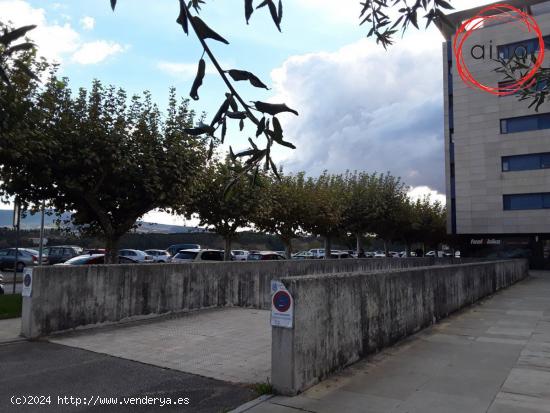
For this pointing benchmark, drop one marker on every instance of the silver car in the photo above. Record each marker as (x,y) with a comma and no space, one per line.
(26,257)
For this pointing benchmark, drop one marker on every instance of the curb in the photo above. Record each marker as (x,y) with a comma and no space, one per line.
(253,403)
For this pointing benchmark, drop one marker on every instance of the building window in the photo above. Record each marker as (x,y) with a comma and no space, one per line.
(522,49)
(526,162)
(526,201)
(525,123)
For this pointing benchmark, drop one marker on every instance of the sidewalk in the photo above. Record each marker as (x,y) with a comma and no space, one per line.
(493,357)
(10,329)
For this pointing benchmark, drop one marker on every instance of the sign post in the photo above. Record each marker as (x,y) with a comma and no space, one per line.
(282,306)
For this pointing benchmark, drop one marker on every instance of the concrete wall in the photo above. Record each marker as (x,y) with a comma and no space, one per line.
(67,297)
(340,318)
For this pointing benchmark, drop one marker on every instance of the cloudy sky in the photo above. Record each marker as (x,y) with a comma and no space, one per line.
(361,108)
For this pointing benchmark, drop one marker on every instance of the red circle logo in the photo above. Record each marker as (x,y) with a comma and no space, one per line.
(507,15)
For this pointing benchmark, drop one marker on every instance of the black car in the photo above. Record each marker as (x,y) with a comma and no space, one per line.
(174,249)
(61,253)
(264,256)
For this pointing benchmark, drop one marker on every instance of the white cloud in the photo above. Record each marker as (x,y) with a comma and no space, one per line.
(365,108)
(55,41)
(420,192)
(87,23)
(95,52)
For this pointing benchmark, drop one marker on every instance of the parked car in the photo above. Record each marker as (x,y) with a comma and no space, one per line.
(62,253)
(26,257)
(264,256)
(318,252)
(159,255)
(86,259)
(379,254)
(239,255)
(174,249)
(303,255)
(192,255)
(339,255)
(136,255)
(1,284)
(95,259)
(94,251)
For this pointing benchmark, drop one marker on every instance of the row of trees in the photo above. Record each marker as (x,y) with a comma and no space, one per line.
(108,159)
(352,204)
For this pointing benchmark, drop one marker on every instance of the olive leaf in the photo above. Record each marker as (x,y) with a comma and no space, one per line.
(113,4)
(261,127)
(182,18)
(200,130)
(239,75)
(236,115)
(221,111)
(241,125)
(224,129)
(210,149)
(273,108)
(201,70)
(15,34)
(248,9)
(205,32)
(19,48)
(232,102)
(277,16)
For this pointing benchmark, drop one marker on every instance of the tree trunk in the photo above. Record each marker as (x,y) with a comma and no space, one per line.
(328,247)
(386,249)
(408,250)
(111,255)
(288,249)
(358,245)
(227,251)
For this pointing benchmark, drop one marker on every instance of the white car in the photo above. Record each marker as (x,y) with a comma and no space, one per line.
(136,255)
(197,255)
(303,255)
(159,255)
(318,252)
(239,255)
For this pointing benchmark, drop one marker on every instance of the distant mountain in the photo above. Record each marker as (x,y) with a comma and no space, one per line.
(33,222)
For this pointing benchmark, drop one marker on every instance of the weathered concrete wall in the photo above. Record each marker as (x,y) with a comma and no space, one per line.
(69,297)
(340,318)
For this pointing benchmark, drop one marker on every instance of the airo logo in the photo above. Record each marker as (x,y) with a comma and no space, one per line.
(516,19)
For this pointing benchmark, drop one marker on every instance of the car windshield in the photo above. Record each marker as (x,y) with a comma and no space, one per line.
(253,257)
(186,255)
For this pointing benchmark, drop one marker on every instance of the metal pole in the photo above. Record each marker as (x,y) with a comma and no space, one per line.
(41,247)
(17,225)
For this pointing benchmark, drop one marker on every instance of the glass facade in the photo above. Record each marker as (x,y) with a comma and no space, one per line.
(526,201)
(526,162)
(521,49)
(525,123)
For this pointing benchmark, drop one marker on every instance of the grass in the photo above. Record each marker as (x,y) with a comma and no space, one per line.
(10,306)
(263,388)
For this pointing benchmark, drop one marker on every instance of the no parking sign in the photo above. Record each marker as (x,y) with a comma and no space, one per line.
(282,306)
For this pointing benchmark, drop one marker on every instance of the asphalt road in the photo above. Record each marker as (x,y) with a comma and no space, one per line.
(47,369)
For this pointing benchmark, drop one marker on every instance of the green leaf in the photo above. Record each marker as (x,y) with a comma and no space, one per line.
(25,69)
(274,15)
(113,4)
(205,32)
(248,9)
(19,48)
(201,70)
(15,34)
(261,127)
(273,108)
(182,18)
(240,75)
